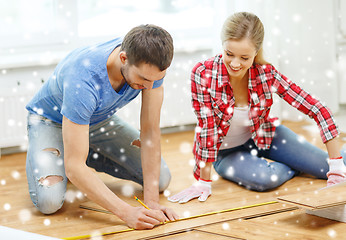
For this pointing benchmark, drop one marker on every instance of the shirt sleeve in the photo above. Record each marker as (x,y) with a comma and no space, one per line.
(305,103)
(205,146)
(79,101)
(158,83)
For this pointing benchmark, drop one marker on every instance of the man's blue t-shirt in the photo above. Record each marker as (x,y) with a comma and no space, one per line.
(80,90)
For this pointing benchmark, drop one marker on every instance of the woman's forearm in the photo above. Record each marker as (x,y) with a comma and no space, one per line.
(206,171)
(333,148)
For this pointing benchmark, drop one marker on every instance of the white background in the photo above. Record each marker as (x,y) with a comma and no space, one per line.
(305,40)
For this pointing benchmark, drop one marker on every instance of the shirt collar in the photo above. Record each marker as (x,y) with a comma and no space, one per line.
(223,74)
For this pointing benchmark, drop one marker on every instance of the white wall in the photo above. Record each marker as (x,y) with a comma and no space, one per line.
(300,41)
(308,49)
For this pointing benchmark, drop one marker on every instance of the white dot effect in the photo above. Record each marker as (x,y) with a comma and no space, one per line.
(301,139)
(39,111)
(230,171)
(191,162)
(297,18)
(225,226)
(11,122)
(186,214)
(274,178)
(185,147)
(96,235)
(254,152)
(46,222)
(24,215)
(7,206)
(79,195)
(330,73)
(95,155)
(332,233)
(202,164)
(59,162)
(70,196)
(102,129)
(127,190)
(3,182)
(15,175)
(215,177)
(166,193)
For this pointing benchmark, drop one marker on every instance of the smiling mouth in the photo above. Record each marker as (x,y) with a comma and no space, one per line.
(235,69)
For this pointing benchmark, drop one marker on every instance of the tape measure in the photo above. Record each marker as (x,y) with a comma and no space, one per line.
(181,219)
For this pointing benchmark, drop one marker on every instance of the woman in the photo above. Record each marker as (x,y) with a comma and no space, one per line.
(232,97)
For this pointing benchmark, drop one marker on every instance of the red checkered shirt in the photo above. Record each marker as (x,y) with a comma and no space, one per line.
(213,103)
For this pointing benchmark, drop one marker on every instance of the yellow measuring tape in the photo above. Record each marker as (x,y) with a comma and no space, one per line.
(181,219)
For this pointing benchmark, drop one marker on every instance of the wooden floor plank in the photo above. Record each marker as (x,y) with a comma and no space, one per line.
(17,210)
(286,225)
(174,227)
(318,199)
(195,235)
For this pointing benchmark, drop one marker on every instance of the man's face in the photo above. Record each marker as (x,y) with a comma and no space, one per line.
(141,77)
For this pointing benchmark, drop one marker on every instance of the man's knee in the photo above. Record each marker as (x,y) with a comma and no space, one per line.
(165,178)
(50,196)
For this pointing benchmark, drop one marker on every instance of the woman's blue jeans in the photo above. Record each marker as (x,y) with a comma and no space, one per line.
(113,150)
(291,154)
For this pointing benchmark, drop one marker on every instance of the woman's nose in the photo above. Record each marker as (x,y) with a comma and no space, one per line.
(235,64)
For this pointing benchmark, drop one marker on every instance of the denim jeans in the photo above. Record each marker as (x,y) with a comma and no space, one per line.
(111,150)
(291,154)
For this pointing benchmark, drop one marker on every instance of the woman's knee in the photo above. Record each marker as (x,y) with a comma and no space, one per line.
(267,181)
(262,186)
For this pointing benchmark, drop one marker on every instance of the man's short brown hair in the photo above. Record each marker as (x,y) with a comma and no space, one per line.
(148,44)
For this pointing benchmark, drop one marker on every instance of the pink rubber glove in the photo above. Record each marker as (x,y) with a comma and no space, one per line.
(337,171)
(200,189)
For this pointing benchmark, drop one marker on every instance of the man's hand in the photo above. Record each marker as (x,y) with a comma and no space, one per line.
(141,218)
(170,215)
(200,189)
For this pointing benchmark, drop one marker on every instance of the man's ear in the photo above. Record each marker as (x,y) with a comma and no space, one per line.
(123,57)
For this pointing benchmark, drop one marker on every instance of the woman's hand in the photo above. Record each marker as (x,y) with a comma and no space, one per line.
(200,189)
(337,171)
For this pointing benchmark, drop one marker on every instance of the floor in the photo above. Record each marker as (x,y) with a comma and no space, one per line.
(232,212)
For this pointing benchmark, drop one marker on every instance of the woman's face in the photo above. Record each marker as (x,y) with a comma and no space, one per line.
(238,57)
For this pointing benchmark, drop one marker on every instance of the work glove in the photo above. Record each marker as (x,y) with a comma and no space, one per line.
(200,189)
(337,171)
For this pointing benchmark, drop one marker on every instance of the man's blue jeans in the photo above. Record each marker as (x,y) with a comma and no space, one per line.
(291,154)
(113,150)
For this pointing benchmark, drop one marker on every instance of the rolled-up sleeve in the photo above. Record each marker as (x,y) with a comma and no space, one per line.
(307,104)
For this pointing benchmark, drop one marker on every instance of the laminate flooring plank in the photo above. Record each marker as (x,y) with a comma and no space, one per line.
(195,235)
(318,199)
(286,225)
(185,225)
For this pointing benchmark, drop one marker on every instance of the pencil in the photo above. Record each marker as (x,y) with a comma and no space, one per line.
(141,202)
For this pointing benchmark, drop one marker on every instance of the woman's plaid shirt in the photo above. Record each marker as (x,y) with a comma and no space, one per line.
(213,103)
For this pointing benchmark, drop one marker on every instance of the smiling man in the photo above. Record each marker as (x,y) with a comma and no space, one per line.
(73,126)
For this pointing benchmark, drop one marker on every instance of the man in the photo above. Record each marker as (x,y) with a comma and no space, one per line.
(72,126)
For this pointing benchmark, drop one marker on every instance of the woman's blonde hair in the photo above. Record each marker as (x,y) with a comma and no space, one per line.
(245,25)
